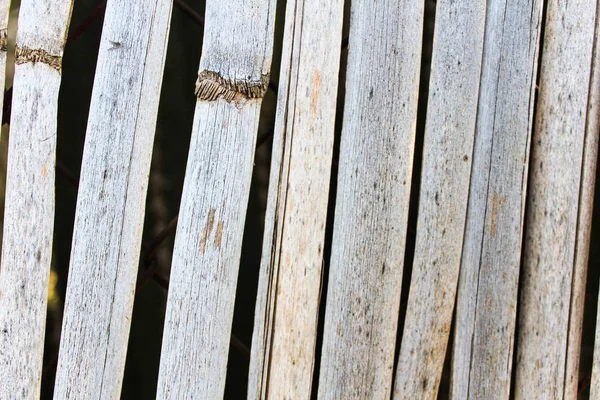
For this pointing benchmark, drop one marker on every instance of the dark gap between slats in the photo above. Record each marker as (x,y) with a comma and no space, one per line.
(428,28)
(167,172)
(236,383)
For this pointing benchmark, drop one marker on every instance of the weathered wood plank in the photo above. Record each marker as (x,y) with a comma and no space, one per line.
(447,151)
(4,13)
(487,293)
(375,168)
(285,326)
(29,209)
(584,228)
(551,238)
(234,73)
(590,161)
(111,200)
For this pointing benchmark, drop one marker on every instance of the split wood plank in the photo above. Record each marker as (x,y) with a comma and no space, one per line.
(552,267)
(285,327)
(375,169)
(447,152)
(590,161)
(29,207)
(233,78)
(487,294)
(111,200)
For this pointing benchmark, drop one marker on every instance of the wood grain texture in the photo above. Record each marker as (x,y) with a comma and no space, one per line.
(234,69)
(29,209)
(111,200)
(285,326)
(590,161)
(584,228)
(375,169)
(446,168)
(487,294)
(551,239)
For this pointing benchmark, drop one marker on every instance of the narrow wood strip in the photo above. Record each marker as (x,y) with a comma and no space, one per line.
(375,169)
(549,270)
(285,326)
(237,49)
(29,201)
(447,152)
(111,199)
(487,293)
(584,227)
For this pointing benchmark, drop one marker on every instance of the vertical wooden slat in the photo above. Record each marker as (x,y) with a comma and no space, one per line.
(551,239)
(29,209)
(375,168)
(111,199)
(234,73)
(590,161)
(285,326)
(584,229)
(447,151)
(487,294)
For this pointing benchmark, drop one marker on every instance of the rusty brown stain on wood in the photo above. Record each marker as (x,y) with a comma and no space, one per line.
(219,234)
(210,221)
(314,97)
(494,214)
(45,171)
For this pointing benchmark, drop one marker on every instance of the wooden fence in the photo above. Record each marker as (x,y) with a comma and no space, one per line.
(488,140)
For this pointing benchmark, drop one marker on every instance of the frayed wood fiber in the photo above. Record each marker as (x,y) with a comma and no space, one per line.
(212,86)
(25,54)
(3,39)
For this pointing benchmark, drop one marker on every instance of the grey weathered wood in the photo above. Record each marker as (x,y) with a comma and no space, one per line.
(375,167)
(29,209)
(551,239)
(234,73)
(590,161)
(4,13)
(111,200)
(285,326)
(447,151)
(584,227)
(487,294)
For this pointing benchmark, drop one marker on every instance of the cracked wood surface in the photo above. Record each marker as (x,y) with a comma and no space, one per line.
(447,152)
(373,191)
(486,305)
(29,202)
(550,274)
(111,199)
(237,49)
(285,326)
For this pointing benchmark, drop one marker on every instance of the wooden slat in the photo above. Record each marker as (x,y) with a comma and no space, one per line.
(487,294)
(285,326)
(584,228)
(590,161)
(375,168)
(4,13)
(29,209)
(234,73)
(447,151)
(550,272)
(111,200)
